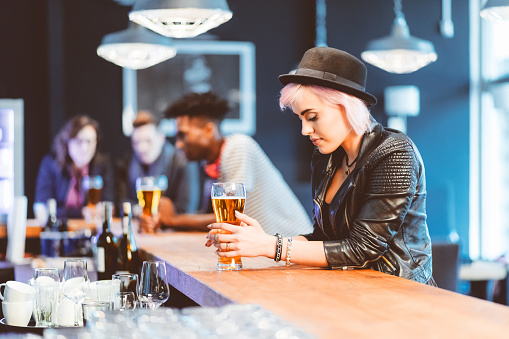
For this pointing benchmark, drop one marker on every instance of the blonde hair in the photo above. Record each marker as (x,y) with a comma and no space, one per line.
(357,112)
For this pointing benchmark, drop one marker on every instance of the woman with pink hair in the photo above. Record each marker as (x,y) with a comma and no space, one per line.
(368,182)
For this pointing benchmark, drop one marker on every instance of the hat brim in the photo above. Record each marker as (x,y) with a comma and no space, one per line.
(369,99)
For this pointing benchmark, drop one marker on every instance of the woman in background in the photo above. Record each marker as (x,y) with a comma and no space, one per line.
(74,156)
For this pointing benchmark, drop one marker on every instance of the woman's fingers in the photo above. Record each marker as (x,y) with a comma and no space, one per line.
(244,218)
(215,237)
(227,254)
(210,237)
(223,226)
(225,245)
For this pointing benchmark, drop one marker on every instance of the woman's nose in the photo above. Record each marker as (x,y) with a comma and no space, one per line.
(306,128)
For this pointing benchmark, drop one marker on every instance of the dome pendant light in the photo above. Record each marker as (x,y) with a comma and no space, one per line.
(496,10)
(180,18)
(136,48)
(399,52)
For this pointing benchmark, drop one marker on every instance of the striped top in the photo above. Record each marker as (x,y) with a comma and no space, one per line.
(269,199)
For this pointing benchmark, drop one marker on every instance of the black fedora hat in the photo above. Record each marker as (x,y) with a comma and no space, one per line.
(332,68)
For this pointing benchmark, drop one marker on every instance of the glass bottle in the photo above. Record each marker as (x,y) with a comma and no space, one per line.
(128,256)
(107,252)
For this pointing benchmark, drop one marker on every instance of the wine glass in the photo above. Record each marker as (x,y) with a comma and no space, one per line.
(75,283)
(154,289)
(125,282)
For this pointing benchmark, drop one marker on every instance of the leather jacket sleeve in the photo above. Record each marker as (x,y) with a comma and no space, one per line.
(382,200)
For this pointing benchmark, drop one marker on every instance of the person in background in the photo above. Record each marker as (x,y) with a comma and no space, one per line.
(368,182)
(235,158)
(154,156)
(74,156)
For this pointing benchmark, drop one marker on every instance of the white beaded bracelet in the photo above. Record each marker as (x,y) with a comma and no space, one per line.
(288,251)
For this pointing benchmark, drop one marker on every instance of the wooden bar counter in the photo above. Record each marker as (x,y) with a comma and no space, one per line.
(329,304)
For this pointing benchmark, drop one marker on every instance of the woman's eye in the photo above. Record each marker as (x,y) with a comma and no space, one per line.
(312,118)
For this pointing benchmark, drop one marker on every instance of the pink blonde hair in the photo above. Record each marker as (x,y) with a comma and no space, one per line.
(357,112)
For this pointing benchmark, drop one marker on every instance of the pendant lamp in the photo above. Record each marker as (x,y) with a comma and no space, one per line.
(136,48)
(399,52)
(180,18)
(496,10)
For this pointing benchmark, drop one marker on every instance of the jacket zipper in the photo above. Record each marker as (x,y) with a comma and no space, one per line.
(346,215)
(388,263)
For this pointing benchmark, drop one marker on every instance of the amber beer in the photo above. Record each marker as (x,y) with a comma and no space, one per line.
(93,186)
(149,200)
(224,209)
(94,195)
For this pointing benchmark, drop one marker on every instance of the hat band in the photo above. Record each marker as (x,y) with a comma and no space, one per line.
(328,76)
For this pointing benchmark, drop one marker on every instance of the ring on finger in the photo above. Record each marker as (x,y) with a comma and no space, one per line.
(215,237)
(227,247)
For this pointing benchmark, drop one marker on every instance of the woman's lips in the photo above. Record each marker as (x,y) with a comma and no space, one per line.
(316,141)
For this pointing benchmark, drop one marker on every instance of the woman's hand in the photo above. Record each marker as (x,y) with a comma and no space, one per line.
(247,240)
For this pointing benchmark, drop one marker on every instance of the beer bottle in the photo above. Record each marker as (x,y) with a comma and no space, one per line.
(107,253)
(128,256)
(52,224)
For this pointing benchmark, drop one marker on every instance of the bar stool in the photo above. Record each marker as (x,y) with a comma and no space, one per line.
(479,273)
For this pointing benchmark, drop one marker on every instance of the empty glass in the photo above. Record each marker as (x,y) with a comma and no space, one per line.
(125,301)
(104,289)
(154,289)
(75,283)
(46,285)
(89,307)
(125,282)
(41,213)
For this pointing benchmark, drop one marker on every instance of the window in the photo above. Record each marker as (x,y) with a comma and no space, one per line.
(224,67)
(489,232)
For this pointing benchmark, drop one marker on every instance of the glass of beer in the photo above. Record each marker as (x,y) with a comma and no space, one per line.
(227,198)
(93,185)
(149,193)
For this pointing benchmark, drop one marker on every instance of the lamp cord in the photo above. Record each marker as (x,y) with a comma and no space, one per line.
(398,9)
(321,27)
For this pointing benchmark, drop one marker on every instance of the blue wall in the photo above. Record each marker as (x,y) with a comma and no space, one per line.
(52,64)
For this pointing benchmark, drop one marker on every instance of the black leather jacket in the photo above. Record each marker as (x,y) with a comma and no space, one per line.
(378,216)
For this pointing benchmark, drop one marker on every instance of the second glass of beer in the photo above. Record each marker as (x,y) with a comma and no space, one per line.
(93,186)
(149,193)
(227,198)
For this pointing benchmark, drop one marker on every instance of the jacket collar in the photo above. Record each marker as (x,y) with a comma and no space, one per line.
(369,141)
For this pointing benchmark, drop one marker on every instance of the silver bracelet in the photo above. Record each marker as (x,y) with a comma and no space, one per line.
(288,251)
(279,247)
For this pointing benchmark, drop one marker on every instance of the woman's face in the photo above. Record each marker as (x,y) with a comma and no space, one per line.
(326,125)
(82,147)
